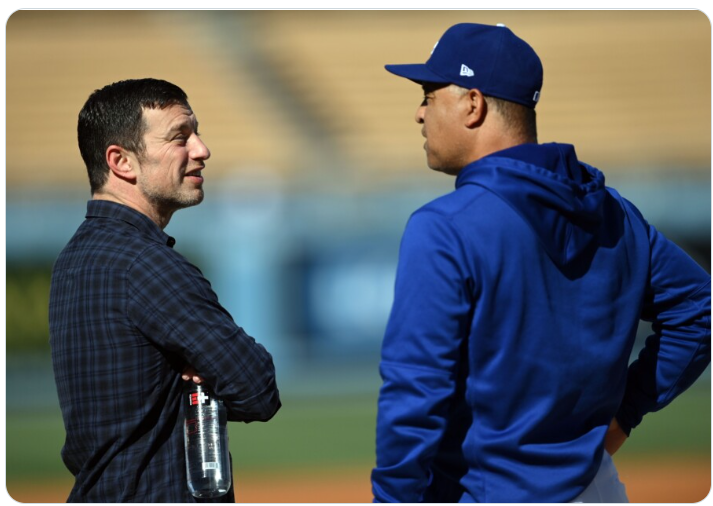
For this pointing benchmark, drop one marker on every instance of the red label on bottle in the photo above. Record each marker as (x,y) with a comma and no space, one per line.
(198,398)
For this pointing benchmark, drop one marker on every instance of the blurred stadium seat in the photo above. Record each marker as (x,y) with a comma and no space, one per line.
(305,92)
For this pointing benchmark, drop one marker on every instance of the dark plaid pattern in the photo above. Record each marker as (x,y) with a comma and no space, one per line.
(127,313)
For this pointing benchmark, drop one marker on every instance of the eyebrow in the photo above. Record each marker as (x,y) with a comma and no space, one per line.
(184,124)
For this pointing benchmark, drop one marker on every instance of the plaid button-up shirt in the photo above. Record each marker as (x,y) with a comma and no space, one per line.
(127,314)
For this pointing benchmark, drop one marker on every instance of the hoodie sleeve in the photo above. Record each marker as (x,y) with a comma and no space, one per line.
(429,321)
(678,304)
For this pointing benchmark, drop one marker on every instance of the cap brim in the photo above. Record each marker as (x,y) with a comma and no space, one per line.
(417,72)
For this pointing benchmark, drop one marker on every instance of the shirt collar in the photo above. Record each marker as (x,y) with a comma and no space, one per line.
(116,211)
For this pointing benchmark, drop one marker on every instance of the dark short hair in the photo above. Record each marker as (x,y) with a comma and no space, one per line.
(519,118)
(114,115)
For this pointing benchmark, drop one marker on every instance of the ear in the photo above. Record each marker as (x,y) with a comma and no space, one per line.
(476,107)
(121,163)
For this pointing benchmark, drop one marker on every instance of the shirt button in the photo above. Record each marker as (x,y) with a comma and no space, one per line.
(171,241)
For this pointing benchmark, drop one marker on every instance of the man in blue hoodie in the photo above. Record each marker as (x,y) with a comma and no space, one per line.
(505,362)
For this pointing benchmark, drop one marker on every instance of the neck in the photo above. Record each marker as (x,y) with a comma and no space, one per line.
(161,218)
(492,141)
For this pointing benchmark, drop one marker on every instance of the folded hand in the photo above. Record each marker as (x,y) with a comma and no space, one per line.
(189,373)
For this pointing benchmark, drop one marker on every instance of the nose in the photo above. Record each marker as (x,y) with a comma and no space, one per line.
(199,151)
(420,112)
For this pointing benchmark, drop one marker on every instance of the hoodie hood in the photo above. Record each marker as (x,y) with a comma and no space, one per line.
(559,197)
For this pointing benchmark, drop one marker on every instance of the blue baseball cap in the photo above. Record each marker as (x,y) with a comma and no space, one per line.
(489,58)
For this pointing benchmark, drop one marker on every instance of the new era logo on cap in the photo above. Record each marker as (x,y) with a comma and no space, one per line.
(466,71)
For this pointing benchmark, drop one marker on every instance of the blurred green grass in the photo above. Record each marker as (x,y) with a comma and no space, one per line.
(334,432)
(681,428)
(305,432)
(27,290)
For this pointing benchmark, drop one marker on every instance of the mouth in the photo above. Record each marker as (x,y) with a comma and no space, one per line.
(195,176)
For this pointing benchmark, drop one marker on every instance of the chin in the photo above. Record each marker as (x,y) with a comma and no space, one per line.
(192,200)
(198,199)
(445,170)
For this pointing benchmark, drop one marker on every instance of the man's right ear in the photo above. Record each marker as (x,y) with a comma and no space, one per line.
(121,163)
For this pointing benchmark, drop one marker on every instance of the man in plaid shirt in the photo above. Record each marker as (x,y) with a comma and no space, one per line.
(130,318)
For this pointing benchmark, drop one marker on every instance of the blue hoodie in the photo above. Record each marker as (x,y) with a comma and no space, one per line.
(506,354)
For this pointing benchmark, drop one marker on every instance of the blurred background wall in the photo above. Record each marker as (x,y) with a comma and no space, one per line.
(316,165)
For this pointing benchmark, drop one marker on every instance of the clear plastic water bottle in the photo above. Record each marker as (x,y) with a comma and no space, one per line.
(206,440)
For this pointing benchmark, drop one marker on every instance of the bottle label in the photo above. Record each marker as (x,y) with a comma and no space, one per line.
(210,465)
(196,398)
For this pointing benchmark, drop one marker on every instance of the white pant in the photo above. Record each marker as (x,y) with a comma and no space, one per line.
(606,486)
